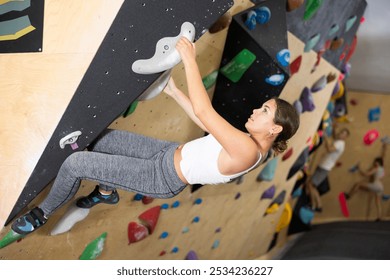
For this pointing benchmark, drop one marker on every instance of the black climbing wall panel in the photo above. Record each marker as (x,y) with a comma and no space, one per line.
(109,85)
(331,14)
(235,100)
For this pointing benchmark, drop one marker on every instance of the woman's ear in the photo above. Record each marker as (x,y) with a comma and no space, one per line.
(276,129)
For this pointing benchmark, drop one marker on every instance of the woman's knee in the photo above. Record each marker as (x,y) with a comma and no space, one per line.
(72,162)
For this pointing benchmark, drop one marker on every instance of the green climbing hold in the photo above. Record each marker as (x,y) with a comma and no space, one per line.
(131,109)
(350,22)
(236,68)
(311,8)
(312,42)
(94,249)
(333,29)
(210,79)
(9,238)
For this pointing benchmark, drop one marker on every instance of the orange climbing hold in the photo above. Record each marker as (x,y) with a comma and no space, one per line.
(136,232)
(150,218)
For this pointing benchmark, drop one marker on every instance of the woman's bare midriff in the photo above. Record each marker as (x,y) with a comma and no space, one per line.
(176,159)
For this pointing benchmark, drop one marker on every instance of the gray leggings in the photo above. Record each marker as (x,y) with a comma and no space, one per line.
(118,159)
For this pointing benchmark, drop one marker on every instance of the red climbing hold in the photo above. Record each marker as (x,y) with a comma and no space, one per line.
(287,154)
(150,218)
(136,232)
(343,205)
(351,49)
(147,199)
(295,65)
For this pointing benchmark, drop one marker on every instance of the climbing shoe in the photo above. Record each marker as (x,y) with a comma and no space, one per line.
(97,197)
(29,222)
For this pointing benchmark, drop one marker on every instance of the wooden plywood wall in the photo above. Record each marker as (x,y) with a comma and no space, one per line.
(36,87)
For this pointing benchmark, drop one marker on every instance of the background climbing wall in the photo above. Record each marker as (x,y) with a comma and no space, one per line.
(229,223)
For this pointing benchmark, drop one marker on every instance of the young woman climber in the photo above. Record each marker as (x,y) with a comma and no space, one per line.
(162,169)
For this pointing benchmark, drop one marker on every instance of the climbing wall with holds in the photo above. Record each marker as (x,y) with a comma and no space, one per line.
(108,87)
(255,61)
(327,27)
(239,220)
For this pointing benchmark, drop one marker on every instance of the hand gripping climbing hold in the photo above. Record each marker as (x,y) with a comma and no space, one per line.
(166,55)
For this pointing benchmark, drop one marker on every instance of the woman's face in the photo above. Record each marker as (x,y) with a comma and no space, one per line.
(262,119)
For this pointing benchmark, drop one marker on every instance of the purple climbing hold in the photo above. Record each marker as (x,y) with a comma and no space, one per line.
(192,256)
(320,84)
(268,193)
(238,195)
(307,100)
(298,106)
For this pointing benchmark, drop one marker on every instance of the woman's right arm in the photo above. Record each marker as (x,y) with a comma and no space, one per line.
(183,101)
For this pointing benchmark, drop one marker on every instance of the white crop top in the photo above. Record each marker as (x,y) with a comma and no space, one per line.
(199,163)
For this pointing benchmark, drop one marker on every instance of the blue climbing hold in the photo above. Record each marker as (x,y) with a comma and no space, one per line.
(175,204)
(306,214)
(215,244)
(250,21)
(185,230)
(283,57)
(196,220)
(164,235)
(268,172)
(354,168)
(175,250)
(275,80)
(165,206)
(263,15)
(138,197)
(297,193)
(198,201)
(374,114)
